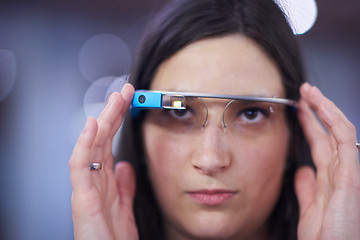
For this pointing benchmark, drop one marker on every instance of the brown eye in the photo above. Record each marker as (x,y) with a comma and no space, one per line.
(182,114)
(179,113)
(250,114)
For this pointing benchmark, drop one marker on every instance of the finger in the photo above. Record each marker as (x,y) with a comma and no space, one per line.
(343,131)
(315,135)
(125,180)
(332,117)
(113,113)
(109,122)
(127,92)
(79,160)
(108,117)
(333,142)
(305,187)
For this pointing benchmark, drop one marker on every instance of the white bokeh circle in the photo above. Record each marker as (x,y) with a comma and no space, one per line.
(97,93)
(104,55)
(95,96)
(301,14)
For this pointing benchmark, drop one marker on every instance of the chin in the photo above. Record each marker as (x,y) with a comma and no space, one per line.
(211,234)
(213,227)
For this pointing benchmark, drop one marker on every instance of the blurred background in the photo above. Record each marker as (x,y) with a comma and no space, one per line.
(58,60)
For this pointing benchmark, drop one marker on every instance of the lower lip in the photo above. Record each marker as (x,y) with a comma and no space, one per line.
(212,199)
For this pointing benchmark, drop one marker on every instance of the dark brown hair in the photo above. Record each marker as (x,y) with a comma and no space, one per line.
(184,22)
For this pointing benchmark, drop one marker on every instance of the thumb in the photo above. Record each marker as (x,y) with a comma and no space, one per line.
(125,181)
(305,187)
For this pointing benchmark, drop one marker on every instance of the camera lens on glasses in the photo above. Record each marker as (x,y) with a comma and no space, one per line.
(142,99)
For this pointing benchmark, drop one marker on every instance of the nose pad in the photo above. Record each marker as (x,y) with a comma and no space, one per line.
(206,113)
(211,155)
(223,116)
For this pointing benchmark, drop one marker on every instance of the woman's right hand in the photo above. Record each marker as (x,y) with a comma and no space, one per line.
(102,200)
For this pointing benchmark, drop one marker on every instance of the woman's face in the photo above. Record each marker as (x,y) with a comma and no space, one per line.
(211,182)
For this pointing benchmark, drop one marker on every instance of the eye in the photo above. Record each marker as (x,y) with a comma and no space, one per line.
(253,115)
(181,114)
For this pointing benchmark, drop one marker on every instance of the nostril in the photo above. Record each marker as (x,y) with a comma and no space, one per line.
(210,171)
(210,164)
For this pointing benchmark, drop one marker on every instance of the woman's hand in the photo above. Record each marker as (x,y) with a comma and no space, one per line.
(330,199)
(102,200)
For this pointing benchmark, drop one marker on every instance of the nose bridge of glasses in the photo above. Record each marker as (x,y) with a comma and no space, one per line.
(212,108)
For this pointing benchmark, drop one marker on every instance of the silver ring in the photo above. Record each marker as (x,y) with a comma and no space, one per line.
(358,146)
(95,166)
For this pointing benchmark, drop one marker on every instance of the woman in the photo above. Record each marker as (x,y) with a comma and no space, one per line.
(214,177)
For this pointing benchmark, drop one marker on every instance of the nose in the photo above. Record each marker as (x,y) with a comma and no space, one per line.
(211,154)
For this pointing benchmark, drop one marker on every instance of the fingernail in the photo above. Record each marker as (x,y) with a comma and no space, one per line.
(123,89)
(306,86)
(109,98)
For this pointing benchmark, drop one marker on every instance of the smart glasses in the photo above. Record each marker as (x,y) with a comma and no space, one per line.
(183,112)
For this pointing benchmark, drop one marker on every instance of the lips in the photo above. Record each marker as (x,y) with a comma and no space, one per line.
(212,197)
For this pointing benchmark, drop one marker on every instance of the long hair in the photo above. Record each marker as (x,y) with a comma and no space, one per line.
(182,23)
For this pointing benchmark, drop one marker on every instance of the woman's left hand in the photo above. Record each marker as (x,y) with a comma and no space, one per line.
(330,198)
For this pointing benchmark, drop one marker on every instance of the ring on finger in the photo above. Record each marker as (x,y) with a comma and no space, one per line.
(358,146)
(95,166)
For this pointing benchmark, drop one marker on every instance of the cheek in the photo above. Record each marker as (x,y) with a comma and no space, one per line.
(268,156)
(161,150)
(263,170)
(267,159)
(163,168)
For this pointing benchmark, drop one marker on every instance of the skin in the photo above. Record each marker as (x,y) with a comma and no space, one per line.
(210,159)
(329,200)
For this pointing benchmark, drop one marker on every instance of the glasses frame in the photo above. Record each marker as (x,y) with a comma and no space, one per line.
(149,99)
(144,99)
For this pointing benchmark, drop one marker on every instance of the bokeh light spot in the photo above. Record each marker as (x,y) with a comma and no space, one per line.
(95,96)
(301,15)
(97,93)
(104,55)
(117,84)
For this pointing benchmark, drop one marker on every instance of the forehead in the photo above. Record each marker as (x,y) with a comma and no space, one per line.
(233,64)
